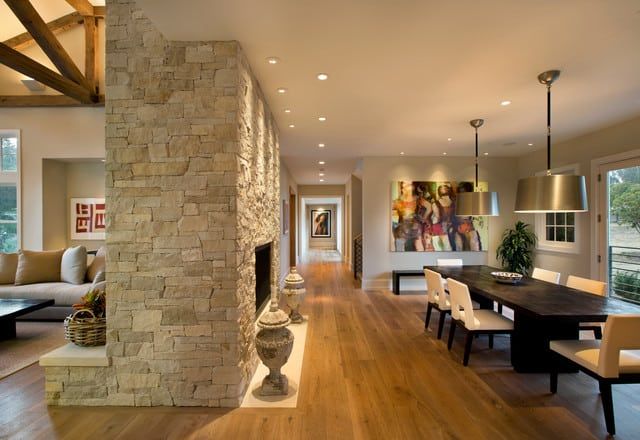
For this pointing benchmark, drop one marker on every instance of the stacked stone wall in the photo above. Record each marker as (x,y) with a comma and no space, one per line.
(192,188)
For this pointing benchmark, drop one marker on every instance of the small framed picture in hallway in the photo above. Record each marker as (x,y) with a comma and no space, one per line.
(320,223)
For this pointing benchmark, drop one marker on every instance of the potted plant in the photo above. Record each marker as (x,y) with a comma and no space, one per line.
(516,250)
(87,326)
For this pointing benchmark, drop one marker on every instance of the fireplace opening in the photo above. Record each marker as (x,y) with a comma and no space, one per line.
(263,276)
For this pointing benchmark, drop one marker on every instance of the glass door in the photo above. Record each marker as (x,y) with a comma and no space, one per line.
(619,223)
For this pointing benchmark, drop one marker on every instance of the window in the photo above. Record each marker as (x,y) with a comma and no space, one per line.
(9,192)
(558,231)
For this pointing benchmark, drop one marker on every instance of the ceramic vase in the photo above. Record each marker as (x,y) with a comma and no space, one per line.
(274,343)
(294,293)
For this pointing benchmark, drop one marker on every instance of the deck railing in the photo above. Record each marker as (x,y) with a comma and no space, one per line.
(624,272)
(357,257)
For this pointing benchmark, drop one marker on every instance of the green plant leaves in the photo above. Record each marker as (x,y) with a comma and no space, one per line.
(515,253)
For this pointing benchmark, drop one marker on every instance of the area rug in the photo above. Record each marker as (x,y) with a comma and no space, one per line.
(33,340)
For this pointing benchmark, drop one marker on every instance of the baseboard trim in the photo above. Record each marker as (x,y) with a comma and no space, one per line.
(376,284)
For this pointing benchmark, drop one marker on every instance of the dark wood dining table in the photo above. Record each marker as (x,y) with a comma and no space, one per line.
(542,311)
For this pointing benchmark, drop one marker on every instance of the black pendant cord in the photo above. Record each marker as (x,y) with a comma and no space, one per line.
(476,187)
(548,130)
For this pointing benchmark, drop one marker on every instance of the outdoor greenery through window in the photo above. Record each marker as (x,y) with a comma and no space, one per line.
(624,232)
(9,193)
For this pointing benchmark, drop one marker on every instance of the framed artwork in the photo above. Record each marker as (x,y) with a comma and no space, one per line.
(87,219)
(320,223)
(423,218)
(285,217)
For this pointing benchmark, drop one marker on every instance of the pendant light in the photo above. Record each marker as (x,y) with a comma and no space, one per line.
(477,203)
(551,193)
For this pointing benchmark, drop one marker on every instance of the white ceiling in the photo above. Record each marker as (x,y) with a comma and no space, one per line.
(406,75)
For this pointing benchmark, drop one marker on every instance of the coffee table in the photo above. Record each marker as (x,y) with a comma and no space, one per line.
(10,309)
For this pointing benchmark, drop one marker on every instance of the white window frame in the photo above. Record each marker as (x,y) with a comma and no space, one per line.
(11,177)
(541,222)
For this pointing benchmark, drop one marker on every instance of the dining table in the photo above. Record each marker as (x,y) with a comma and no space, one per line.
(542,311)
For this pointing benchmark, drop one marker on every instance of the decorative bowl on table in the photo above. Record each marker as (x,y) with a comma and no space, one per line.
(507,277)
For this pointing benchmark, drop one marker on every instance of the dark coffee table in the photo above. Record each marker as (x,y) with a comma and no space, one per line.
(10,309)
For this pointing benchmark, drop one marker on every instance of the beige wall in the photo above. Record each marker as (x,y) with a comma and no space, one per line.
(50,133)
(286,184)
(582,151)
(379,172)
(62,181)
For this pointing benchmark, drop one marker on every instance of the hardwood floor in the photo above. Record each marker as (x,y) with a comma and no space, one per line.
(370,372)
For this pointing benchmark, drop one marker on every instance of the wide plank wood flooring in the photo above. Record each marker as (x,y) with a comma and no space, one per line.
(370,372)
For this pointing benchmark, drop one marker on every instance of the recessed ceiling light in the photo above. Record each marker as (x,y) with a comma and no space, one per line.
(444,154)
(323,76)
(449,139)
(321,145)
(321,174)
(287,110)
(486,154)
(103,160)
(402,153)
(273,60)
(321,180)
(530,144)
(292,126)
(321,162)
(282,90)
(322,118)
(505,103)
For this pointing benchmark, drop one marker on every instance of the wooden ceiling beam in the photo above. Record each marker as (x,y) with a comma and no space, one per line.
(90,56)
(25,65)
(45,101)
(24,40)
(84,7)
(99,11)
(36,26)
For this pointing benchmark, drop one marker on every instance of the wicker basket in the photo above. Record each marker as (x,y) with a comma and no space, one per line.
(85,332)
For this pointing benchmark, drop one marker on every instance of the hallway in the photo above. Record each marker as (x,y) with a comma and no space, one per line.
(370,372)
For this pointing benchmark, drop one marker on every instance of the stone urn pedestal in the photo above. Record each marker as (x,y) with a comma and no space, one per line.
(294,293)
(274,343)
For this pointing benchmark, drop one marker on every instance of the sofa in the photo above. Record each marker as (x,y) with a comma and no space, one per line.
(64,275)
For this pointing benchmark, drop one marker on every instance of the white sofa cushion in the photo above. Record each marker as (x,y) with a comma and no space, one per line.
(64,294)
(74,265)
(8,266)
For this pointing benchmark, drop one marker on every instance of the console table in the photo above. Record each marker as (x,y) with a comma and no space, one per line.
(397,274)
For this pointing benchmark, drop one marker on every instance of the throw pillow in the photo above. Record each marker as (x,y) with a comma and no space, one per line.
(97,265)
(38,267)
(74,265)
(8,266)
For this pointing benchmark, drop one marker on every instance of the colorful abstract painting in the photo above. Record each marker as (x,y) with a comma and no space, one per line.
(87,219)
(423,218)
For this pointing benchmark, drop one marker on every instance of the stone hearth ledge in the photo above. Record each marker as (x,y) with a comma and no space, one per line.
(71,355)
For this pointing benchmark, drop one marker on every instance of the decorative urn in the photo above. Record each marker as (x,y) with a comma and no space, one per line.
(274,343)
(294,293)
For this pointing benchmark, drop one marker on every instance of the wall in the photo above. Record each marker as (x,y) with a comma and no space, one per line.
(319,191)
(286,185)
(45,133)
(61,181)
(192,188)
(379,172)
(54,204)
(328,243)
(581,150)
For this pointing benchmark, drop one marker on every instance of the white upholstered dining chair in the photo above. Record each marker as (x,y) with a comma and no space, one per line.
(448,262)
(591,286)
(481,321)
(437,299)
(546,275)
(614,360)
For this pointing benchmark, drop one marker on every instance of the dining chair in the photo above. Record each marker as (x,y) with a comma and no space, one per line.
(546,275)
(448,262)
(614,360)
(481,321)
(591,286)
(436,299)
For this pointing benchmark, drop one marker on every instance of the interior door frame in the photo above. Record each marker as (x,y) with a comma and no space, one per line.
(599,218)
(293,229)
